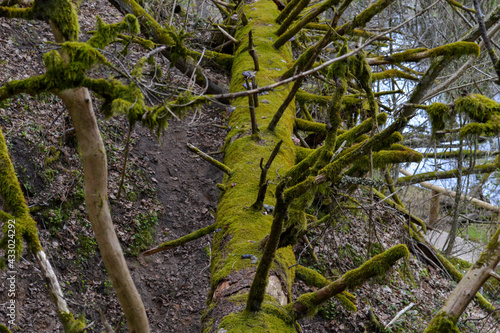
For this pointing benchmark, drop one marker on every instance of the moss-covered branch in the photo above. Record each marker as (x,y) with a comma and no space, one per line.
(285,36)
(17,13)
(19,226)
(181,241)
(433,175)
(260,280)
(289,14)
(364,17)
(314,279)
(263,182)
(415,55)
(304,65)
(466,154)
(354,32)
(334,171)
(392,188)
(393,74)
(307,304)
(309,126)
(176,51)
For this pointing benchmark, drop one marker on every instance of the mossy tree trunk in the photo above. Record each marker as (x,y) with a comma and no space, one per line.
(243,228)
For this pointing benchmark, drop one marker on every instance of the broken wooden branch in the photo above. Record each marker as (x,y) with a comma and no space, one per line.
(252,51)
(181,241)
(209,159)
(263,182)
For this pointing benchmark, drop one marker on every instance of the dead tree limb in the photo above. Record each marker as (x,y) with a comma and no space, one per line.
(263,177)
(209,159)
(181,241)
(487,40)
(252,51)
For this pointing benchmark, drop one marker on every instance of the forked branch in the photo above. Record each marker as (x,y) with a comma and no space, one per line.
(263,177)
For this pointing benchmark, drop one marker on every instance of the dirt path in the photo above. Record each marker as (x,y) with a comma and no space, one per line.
(186,187)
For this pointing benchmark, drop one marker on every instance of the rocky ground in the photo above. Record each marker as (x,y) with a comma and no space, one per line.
(169,192)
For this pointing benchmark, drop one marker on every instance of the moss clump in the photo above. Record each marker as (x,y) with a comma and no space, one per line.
(62,13)
(478,107)
(107,33)
(19,13)
(483,111)
(376,266)
(72,324)
(15,211)
(393,73)
(52,156)
(456,49)
(269,319)
(438,113)
(403,56)
(442,323)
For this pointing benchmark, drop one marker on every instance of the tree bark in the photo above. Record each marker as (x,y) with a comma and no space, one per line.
(434,208)
(95,169)
(446,319)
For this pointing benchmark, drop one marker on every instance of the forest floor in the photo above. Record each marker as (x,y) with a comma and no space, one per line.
(169,192)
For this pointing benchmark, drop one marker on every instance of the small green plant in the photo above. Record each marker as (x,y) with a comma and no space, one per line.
(88,247)
(145,232)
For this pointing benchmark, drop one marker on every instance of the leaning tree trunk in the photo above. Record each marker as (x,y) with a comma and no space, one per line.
(242,227)
(95,169)
(484,268)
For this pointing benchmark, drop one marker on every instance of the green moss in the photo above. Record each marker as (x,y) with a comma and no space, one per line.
(393,73)
(351,135)
(442,323)
(269,319)
(52,156)
(315,279)
(62,13)
(107,33)
(72,324)
(478,107)
(403,56)
(14,209)
(309,126)
(483,111)
(4,329)
(456,49)
(397,154)
(376,266)
(19,13)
